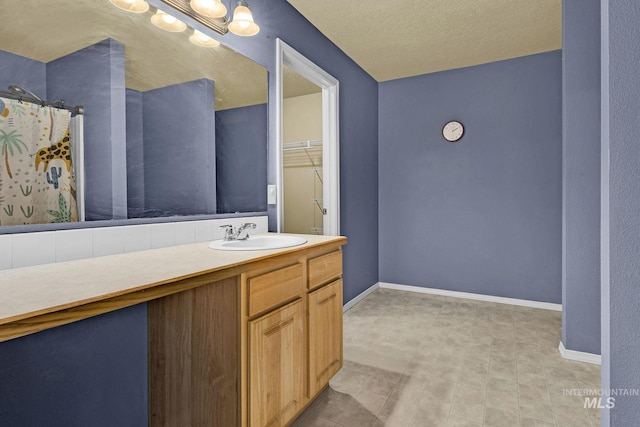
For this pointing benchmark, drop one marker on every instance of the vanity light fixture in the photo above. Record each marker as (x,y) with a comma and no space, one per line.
(201,39)
(166,22)
(243,24)
(133,6)
(209,8)
(213,14)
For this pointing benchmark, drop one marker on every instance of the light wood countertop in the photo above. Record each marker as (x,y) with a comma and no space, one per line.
(44,289)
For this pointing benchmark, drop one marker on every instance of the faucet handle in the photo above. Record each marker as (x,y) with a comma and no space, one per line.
(229,232)
(243,228)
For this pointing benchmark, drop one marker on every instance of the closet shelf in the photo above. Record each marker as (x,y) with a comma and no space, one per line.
(301,145)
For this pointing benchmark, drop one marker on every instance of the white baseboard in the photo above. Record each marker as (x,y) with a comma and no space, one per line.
(579,356)
(467,295)
(359,298)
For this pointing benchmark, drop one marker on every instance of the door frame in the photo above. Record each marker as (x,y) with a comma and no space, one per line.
(288,56)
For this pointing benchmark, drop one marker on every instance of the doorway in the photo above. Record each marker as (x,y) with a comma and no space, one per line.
(302,155)
(308,191)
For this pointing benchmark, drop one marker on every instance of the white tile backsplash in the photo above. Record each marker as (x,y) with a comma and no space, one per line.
(27,249)
(262,224)
(163,235)
(73,244)
(137,238)
(5,252)
(108,241)
(185,232)
(204,230)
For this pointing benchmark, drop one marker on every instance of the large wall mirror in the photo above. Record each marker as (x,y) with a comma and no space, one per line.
(169,126)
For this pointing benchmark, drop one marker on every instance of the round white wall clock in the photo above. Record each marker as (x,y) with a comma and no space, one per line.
(452,131)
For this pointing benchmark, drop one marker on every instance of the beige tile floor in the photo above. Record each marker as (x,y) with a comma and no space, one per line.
(425,360)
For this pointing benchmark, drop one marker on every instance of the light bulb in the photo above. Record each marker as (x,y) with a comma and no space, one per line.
(203,40)
(133,6)
(168,19)
(242,24)
(166,22)
(209,8)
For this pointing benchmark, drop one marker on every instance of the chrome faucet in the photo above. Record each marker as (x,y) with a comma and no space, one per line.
(231,233)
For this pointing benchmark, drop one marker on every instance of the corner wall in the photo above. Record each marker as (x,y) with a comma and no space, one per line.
(481,215)
(24,72)
(581,175)
(135,154)
(241,159)
(179,149)
(94,78)
(620,204)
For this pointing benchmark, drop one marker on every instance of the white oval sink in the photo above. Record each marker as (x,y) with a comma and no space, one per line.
(256,243)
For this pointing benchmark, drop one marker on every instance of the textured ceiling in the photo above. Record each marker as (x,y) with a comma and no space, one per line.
(45,30)
(296,85)
(392,39)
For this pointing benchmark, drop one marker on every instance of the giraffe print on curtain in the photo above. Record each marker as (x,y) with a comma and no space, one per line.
(36,172)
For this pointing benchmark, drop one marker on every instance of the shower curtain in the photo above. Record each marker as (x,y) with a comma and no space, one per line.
(37,182)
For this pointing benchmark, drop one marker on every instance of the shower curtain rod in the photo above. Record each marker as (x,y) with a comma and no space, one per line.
(79,109)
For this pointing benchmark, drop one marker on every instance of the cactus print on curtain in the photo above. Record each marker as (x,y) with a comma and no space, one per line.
(37,183)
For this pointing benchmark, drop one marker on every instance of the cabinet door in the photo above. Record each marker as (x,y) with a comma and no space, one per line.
(277,372)
(325,335)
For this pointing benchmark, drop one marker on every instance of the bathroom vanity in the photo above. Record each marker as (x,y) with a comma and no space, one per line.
(235,338)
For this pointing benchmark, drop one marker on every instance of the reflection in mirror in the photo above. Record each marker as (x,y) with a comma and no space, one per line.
(302,154)
(172,125)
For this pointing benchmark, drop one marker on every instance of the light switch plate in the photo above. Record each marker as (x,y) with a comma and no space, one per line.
(271,194)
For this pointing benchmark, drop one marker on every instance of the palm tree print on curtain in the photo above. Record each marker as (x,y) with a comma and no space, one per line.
(36,173)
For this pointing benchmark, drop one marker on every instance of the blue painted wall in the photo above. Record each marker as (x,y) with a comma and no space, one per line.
(135,155)
(620,206)
(180,149)
(241,159)
(358,129)
(24,72)
(88,373)
(481,215)
(94,77)
(581,175)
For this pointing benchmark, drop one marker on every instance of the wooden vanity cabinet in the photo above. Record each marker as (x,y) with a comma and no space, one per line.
(275,343)
(193,356)
(325,319)
(287,371)
(276,360)
(325,335)
(252,350)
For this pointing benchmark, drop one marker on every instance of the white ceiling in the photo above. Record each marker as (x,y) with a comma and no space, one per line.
(391,39)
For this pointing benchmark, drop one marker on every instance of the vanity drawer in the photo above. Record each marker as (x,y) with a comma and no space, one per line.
(274,288)
(324,268)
